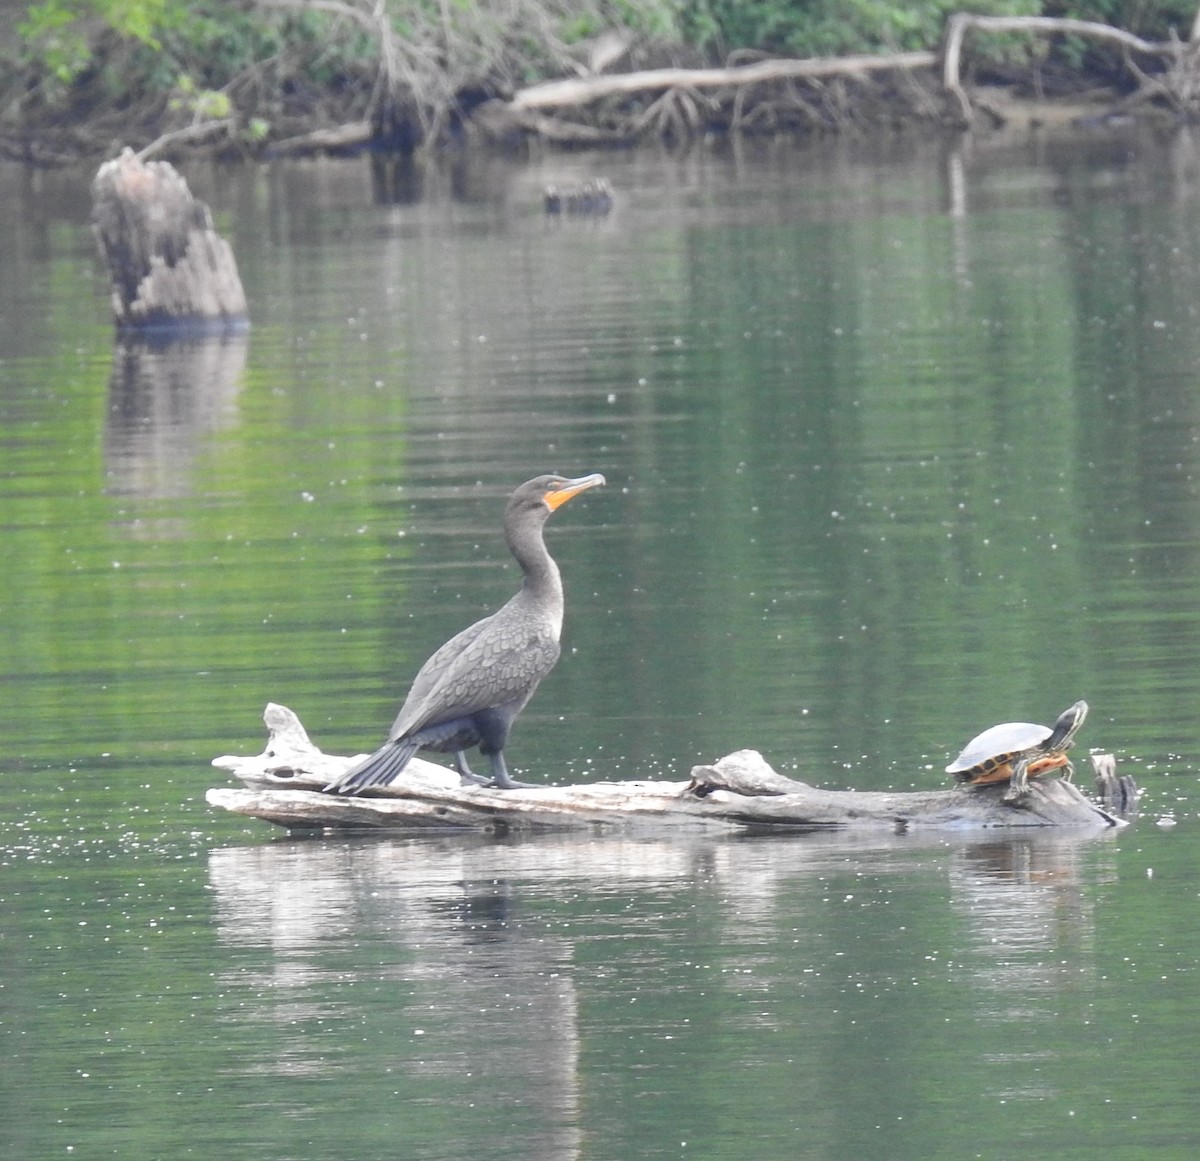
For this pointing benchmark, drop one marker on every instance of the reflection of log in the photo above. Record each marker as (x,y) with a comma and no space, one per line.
(169,267)
(163,398)
(741,792)
(508,1011)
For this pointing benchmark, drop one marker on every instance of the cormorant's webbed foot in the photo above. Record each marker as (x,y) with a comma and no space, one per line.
(502,780)
(509,784)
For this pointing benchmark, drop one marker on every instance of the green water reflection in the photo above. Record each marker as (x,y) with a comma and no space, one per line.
(605,999)
(900,442)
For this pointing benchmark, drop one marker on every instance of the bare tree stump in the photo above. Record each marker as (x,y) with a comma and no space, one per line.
(285,786)
(169,268)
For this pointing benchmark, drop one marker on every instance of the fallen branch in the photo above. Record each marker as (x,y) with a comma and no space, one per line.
(352,135)
(200,131)
(962,22)
(585,90)
(739,793)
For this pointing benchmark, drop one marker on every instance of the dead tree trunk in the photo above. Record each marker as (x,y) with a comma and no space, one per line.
(284,785)
(169,268)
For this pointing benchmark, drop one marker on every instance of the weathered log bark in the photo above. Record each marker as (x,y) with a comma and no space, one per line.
(739,793)
(170,270)
(584,90)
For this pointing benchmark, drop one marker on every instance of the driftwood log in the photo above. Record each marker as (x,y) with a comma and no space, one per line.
(170,270)
(284,785)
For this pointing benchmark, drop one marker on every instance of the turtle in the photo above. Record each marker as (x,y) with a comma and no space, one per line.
(1018,751)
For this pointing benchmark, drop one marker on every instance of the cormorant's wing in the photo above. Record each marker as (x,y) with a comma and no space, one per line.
(501,667)
(431,673)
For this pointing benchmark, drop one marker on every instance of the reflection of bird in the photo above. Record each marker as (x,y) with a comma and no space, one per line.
(471,690)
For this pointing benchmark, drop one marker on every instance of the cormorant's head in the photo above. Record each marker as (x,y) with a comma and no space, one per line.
(551,492)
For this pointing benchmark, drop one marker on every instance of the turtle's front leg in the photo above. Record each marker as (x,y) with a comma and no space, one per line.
(1018,784)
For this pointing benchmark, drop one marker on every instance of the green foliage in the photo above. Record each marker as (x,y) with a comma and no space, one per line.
(119,53)
(1154,20)
(275,62)
(201,104)
(135,19)
(53,36)
(658,19)
(830,27)
(59,32)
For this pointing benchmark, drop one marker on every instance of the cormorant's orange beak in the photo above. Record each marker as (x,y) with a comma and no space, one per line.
(571,488)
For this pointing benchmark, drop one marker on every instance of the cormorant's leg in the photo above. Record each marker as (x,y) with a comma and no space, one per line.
(1018,785)
(501,778)
(467,776)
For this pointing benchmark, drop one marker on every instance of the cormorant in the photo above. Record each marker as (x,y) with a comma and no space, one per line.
(471,690)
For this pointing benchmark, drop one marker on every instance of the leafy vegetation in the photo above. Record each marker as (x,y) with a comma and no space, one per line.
(286,65)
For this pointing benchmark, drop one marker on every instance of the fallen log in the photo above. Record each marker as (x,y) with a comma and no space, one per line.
(961,23)
(584,90)
(170,270)
(682,103)
(337,139)
(740,793)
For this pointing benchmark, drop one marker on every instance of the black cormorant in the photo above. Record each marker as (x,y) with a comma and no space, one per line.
(471,690)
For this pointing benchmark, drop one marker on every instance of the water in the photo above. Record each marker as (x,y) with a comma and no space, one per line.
(901,441)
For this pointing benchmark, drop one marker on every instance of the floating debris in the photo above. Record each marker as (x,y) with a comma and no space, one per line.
(594,197)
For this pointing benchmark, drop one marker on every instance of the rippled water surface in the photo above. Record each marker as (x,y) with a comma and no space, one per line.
(901,441)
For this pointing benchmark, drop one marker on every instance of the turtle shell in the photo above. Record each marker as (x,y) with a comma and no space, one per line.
(995,747)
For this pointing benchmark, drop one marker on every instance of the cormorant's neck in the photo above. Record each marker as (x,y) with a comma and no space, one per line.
(542,583)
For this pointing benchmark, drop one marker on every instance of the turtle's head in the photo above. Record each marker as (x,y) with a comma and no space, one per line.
(1062,736)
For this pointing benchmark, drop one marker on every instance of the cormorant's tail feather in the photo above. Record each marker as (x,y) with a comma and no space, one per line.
(380,769)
